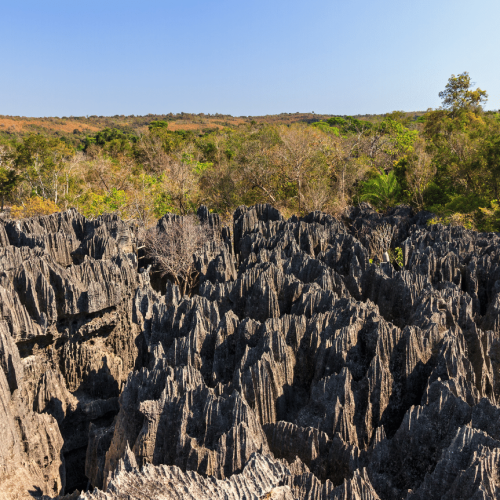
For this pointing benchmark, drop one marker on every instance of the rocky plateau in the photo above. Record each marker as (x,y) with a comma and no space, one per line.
(305,366)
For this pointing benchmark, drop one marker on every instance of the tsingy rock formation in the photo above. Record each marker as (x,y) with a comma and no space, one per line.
(305,366)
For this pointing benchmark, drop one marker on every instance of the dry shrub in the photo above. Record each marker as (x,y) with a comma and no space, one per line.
(174,246)
(377,240)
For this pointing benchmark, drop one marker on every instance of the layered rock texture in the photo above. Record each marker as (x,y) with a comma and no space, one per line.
(303,368)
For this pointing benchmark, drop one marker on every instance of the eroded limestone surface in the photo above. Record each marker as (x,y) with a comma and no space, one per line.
(300,369)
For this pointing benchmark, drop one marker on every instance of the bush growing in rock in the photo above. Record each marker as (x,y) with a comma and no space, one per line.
(173,247)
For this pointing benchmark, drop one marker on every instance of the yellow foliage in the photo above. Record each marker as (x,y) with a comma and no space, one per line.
(491,217)
(457,219)
(33,206)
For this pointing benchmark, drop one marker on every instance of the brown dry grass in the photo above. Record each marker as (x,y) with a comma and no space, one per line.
(65,126)
(207,123)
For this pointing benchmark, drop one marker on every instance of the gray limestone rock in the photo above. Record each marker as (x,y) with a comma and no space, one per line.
(301,368)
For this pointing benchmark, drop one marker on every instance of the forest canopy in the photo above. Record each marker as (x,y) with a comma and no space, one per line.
(445,160)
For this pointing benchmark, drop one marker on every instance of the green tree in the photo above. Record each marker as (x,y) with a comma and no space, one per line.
(463,143)
(158,124)
(116,201)
(458,94)
(8,182)
(349,124)
(112,140)
(41,162)
(8,176)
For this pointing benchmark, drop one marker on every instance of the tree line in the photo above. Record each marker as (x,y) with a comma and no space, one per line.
(446,161)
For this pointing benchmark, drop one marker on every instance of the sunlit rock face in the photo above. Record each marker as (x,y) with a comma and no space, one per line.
(302,367)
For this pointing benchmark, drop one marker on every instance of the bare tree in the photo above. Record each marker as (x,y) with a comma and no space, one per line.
(377,240)
(152,155)
(140,206)
(316,194)
(420,172)
(181,183)
(256,163)
(73,169)
(6,159)
(299,147)
(347,164)
(174,246)
(109,175)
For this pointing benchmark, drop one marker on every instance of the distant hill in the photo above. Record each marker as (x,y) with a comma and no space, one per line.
(19,126)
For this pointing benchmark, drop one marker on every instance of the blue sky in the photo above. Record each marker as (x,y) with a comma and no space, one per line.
(107,57)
